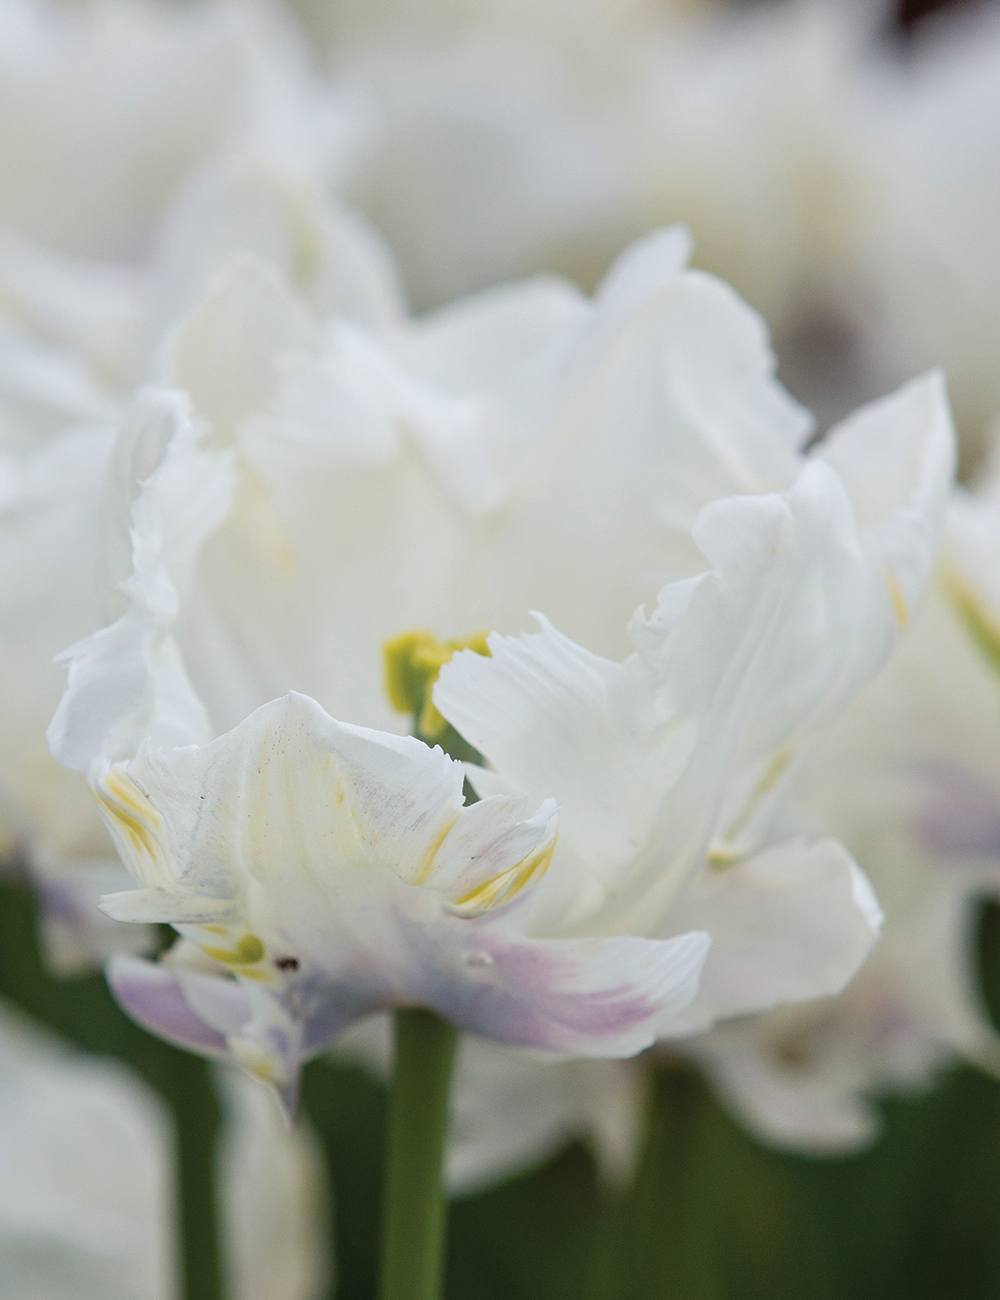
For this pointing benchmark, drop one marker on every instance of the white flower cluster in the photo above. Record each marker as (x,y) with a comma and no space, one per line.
(353,366)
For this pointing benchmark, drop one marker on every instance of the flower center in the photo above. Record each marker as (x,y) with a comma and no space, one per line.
(412,663)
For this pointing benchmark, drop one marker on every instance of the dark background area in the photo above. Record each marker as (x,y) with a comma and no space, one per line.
(712,1215)
(909,12)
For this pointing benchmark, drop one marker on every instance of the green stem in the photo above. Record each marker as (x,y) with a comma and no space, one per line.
(413,1208)
(196,1117)
(668,1231)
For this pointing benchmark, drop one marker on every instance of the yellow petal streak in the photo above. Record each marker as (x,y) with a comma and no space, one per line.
(508,884)
(427,866)
(899,605)
(723,851)
(136,821)
(254,1059)
(977,620)
(412,663)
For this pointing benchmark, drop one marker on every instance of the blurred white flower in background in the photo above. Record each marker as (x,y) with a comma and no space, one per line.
(500,140)
(110,107)
(111,111)
(87,1190)
(344,24)
(486,141)
(935,265)
(748,130)
(275,1197)
(910,782)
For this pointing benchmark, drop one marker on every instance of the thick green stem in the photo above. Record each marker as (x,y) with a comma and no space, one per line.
(413,1206)
(196,1116)
(668,1231)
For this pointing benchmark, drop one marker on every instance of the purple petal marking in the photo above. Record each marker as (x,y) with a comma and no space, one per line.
(960,817)
(71,901)
(597,997)
(592,997)
(151,995)
(330,1013)
(60,903)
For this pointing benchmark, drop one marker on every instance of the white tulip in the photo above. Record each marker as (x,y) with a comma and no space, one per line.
(85,1189)
(347,23)
(273,1185)
(499,140)
(56,444)
(55,434)
(334,872)
(113,114)
(323,486)
(750,129)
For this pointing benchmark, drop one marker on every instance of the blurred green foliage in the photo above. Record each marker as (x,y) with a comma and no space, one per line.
(711,1216)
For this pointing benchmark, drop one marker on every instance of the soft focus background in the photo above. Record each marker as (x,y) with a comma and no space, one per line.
(712,1214)
(715,1215)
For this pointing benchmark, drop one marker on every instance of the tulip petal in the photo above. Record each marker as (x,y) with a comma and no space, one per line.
(734,675)
(896,458)
(792,923)
(355,879)
(152,996)
(126,683)
(588,997)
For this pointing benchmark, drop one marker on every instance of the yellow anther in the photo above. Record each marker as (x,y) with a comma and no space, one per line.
(247,952)
(430,723)
(412,663)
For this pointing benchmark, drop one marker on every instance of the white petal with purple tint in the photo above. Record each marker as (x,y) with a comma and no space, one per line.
(338,872)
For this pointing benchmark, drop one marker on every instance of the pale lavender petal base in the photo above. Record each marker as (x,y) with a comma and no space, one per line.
(152,996)
(591,997)
(960,816)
